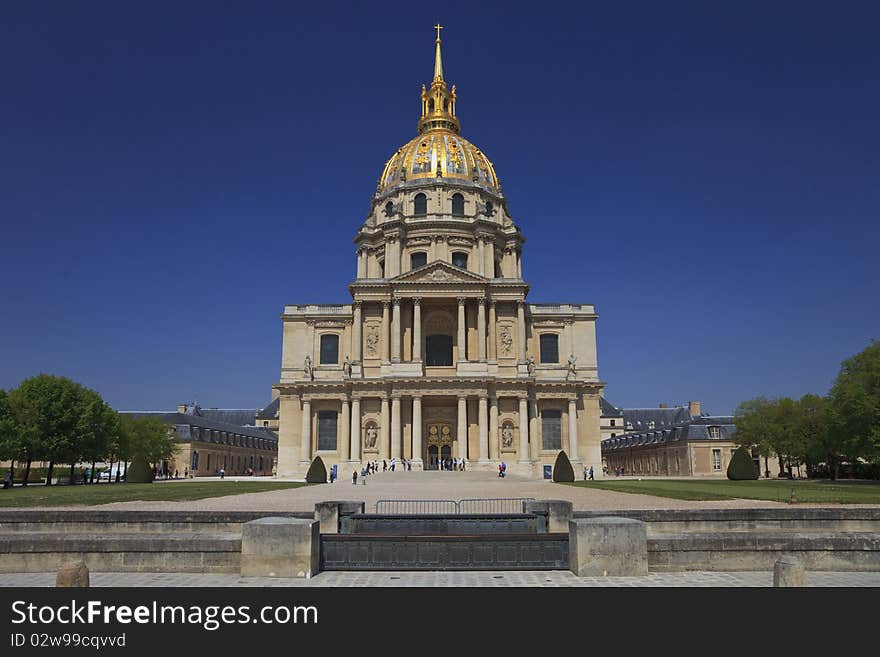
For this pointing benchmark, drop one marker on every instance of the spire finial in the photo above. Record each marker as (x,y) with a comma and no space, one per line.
(438,62)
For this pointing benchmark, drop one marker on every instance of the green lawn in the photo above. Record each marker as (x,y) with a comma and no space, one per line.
(104,493)
(835,492)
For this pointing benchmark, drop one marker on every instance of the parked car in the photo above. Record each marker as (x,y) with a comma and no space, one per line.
(109,474)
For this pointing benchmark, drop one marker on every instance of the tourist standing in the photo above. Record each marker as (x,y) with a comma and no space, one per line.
(354,478)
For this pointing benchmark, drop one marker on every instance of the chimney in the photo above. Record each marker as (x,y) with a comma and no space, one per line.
(181,408)
(664,405)
(694,408)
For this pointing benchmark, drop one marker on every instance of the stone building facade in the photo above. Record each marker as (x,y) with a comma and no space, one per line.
(439,355)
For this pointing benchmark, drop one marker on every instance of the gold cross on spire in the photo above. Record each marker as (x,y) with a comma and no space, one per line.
(438,27)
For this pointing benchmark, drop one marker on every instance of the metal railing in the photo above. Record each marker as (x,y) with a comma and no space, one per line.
(451,507)
(420,507)
(494,505)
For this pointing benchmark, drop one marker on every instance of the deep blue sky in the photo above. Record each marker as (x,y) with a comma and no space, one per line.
(171,174)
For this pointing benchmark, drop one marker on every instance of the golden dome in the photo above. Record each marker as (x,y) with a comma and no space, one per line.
(438,152)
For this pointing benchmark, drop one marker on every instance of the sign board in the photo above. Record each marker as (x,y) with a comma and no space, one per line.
(548,472)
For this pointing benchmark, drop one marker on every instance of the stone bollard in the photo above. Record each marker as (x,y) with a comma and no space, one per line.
(616,547)
(557,512)
(332,515)
(788,571)
(280,547)
(74,573)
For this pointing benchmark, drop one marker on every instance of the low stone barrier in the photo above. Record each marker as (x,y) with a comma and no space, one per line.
(280,547)
(333,515)
(608,546)
(789,573)
(558,513)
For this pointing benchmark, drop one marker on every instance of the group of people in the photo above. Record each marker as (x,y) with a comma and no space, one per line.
(588,473)
(502,469)
(373,467)
(453,464)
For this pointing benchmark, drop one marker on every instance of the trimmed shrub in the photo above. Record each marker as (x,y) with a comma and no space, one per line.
(562,470)
(139,471)
(317,473)
(741,466)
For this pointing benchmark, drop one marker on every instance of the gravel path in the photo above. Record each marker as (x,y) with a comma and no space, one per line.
(433,485)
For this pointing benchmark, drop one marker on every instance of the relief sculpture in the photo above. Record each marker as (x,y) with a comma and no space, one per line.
(372,341)
(506,340)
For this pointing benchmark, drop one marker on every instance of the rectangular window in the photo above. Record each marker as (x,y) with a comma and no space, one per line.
(551,429)
(549,348)
(716,459)
(329,349)
(613,423)
(327,430)
(714,432)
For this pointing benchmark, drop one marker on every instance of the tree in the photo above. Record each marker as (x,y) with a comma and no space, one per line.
(821,445)
(8,442)
(562,470)
(741,466)
(854,404)
(317,473)
(148,437)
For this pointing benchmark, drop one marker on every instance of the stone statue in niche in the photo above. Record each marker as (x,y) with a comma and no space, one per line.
(530,364)
(572,368)
(307,368)
(346,367)
(371,437)
(506,340)
(507,435)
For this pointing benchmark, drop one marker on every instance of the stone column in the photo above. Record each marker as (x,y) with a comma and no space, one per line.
(572,430)
(417,430)
(395,331)
(481,328)
(356,330)
(386,332)
(305,449)
(362,262)
(356,429)
(462,432)
(490,259)
(533,429)
(482,257)
(494,448)
(385,432)
(523,430)
(462,333)
(484,427)
(345,425)
(417,330)
(521,327)
(395,427)
(493,324)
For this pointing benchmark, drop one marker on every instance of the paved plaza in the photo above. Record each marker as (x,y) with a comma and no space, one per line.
(430,485)
(556,578)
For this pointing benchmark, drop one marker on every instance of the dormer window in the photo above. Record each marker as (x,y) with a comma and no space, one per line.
(714,432)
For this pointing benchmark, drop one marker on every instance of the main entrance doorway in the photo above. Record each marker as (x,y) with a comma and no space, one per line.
(438,444)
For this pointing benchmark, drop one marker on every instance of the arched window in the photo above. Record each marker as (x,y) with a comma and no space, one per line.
(389,209)
(417,260)
(329,349)
(458,205)
(381,269)
(459,259)
(438,350)
(498,273)
(420,204)
(489,208)
(549,348)
(431,105)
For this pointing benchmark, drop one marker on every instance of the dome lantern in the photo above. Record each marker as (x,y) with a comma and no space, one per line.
(438,102)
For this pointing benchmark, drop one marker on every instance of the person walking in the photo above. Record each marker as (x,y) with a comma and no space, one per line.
(354,477)
(384,465)
(586,473)
(591,473)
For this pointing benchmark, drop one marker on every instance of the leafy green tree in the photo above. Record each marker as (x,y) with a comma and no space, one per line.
(855,404)
(8,442)
(741,466)
(820,443)
(149,437)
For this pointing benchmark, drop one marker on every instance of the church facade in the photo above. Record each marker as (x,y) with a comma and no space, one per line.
(439,355)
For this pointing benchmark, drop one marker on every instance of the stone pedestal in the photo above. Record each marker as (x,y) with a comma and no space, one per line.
(616,547)
(789,572)
(280,547)
(330,515)
(557,512)
(75,574)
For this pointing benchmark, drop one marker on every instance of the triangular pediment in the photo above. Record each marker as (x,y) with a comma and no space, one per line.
(439,272)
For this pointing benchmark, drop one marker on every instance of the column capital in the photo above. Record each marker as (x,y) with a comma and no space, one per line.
(416,300)
(386,303)
(357,303)
(396,301)
(462,300)
(568,321)
(492,302)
